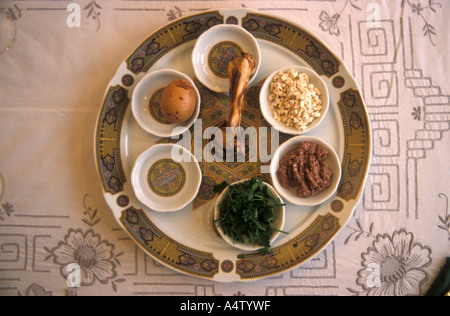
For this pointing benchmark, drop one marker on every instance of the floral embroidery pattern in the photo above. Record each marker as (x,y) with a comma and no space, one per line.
(444,220)
(92,214)
(36,290)
(13,12)
(420,7)
(6,208)
(393,266)
(329,23)
(95,257)
(175,14)
(93,9)
(417,113)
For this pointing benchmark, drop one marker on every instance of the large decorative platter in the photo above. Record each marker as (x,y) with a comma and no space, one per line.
(186,240)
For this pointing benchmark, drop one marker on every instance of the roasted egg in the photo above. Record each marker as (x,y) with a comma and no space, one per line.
(178,101)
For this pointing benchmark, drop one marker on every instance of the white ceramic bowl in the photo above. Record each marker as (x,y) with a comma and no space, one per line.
(146,109)
(214,49)
(315,79)
(163,182)
(289,194)
(248,246)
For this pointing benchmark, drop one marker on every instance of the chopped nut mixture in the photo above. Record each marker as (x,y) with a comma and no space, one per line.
(294,101)
(305,169)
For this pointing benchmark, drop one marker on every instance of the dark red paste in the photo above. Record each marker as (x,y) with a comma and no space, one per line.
(304,168)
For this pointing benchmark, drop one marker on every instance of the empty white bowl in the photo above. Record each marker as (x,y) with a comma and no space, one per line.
(289,194)
(315,79)
(145,103)
(247,245)
(214,49)
(162,181)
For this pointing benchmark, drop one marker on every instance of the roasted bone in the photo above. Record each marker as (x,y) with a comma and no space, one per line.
(239,71)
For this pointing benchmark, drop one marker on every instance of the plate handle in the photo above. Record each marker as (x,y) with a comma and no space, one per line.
(233,16)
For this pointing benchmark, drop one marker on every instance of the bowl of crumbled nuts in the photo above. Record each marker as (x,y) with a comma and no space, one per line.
(294,100)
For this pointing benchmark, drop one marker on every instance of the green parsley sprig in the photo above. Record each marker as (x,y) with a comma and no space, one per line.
(248,211)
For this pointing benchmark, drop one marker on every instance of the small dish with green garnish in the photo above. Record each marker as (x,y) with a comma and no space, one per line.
(249,215)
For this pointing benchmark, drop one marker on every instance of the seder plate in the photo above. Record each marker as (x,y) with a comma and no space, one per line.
(186,240)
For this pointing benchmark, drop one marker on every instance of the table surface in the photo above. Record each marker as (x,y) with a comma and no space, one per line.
(52,209)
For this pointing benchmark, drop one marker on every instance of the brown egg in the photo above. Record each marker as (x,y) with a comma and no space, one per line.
(178,101)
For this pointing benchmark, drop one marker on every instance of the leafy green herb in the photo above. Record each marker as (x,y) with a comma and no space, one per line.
(248,210)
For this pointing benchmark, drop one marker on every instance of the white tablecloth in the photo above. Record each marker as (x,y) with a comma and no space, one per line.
(52,82)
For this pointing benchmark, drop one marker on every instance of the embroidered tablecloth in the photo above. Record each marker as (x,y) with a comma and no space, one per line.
(52,209)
